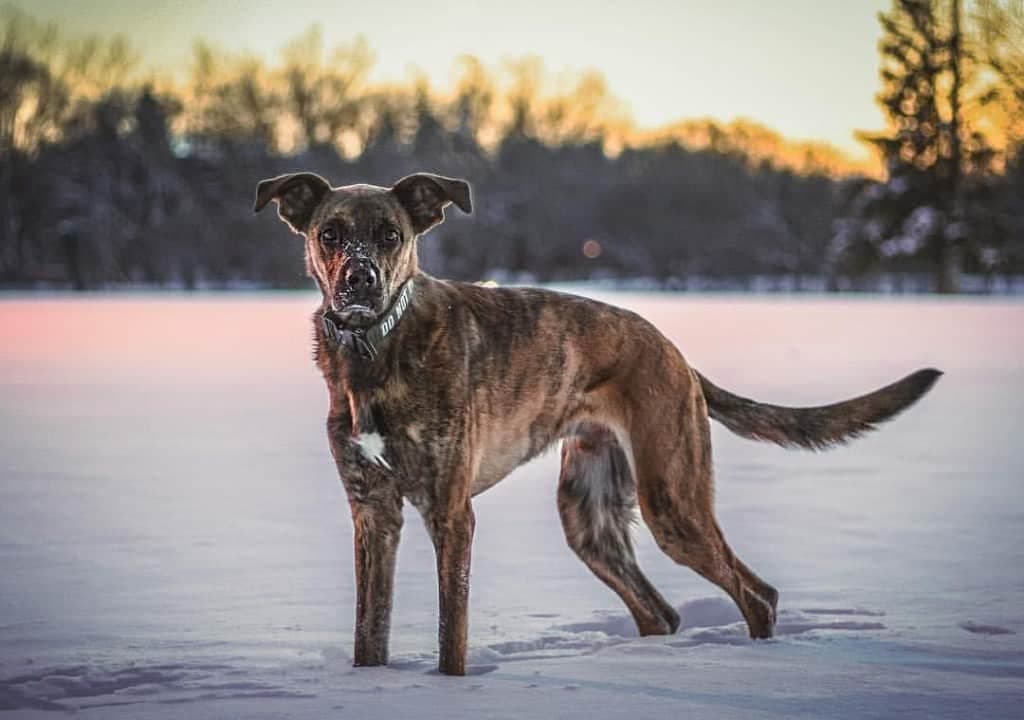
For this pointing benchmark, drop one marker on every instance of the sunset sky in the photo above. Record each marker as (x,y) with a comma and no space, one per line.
(807,68)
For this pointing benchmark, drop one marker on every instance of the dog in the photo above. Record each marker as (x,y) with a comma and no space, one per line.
(439,389)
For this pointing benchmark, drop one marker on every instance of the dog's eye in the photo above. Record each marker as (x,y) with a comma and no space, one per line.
(392,236)
(329,235)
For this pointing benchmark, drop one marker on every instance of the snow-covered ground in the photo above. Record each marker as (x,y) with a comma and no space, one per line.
(174,541)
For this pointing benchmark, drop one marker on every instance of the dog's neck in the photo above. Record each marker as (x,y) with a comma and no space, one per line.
(366,343)
(353,372)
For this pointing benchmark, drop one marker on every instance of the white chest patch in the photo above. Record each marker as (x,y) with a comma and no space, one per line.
(372,446)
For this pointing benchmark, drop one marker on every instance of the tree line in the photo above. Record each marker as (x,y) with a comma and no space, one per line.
(110,177)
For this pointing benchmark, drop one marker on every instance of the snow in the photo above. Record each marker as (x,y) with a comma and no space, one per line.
(174,540)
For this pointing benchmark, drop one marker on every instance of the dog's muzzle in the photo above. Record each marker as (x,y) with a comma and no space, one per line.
(360,275)
(358,297)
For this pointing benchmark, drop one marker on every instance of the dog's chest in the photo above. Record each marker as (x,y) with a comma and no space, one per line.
(396,440)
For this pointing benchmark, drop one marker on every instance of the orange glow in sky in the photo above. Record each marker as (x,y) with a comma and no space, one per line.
(807,68)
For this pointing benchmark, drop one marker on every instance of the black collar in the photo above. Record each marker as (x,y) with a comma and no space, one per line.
(367,341)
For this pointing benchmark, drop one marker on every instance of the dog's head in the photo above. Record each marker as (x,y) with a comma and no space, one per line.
(361,239)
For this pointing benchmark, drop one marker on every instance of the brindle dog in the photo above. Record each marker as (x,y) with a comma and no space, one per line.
(439,389)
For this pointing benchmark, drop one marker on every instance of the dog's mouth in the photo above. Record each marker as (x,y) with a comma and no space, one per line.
(355,315)
(356,310)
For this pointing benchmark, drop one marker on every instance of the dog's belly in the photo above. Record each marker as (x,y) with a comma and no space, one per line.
(509,449)
(498,461)
(523,436)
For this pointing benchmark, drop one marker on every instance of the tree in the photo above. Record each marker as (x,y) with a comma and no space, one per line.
(232,104)
(323,95)
(999,39)
(917,219)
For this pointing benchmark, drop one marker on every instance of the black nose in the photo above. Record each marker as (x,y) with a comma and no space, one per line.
(360,276)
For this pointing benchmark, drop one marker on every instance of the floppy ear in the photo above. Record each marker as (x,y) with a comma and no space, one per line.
(425,196)
(297,195)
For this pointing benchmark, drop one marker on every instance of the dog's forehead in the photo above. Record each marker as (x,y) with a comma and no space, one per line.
(359,203)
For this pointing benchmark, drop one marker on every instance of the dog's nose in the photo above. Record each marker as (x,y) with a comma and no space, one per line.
(360,276)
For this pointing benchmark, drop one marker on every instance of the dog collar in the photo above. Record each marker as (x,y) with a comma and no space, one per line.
(366,341)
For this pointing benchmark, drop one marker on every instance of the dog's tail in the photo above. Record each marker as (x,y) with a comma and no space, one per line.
(815,428)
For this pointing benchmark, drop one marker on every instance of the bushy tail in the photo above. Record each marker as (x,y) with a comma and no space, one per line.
(815,428)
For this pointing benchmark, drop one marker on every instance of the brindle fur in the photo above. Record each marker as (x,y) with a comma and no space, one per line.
(475,381)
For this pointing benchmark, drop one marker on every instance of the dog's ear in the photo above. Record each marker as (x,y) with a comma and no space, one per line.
(425,196)
(297,195)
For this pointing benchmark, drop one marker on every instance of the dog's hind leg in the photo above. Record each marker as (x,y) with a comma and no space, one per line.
(596,500)
(704,549)
(674,488)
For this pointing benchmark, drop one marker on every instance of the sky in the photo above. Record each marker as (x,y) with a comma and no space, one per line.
(807,68)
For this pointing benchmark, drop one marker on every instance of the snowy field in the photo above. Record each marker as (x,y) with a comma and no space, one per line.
(174,541)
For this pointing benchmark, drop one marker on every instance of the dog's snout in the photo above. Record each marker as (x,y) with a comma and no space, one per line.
(360,275)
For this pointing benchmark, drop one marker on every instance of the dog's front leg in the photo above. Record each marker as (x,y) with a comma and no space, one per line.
(377,525)
(376,504)
(452,533)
